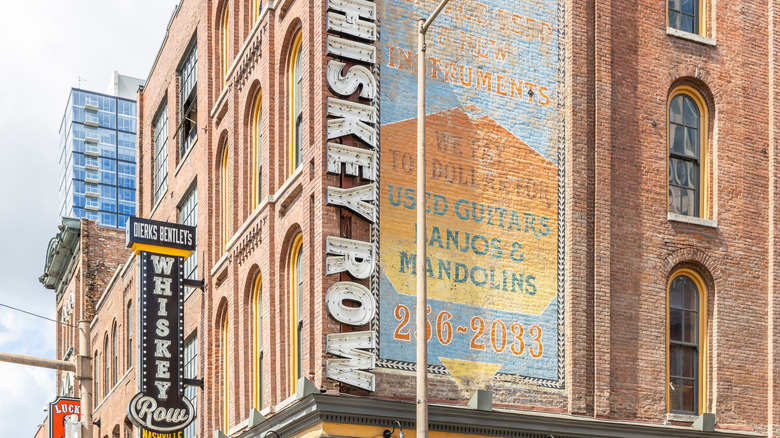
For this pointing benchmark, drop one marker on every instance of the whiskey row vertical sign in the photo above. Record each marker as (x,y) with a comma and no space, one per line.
(352,33)
(161,248)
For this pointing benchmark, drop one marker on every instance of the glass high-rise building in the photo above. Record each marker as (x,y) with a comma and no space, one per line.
(98,153)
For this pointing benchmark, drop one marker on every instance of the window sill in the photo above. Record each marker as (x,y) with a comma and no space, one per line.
(681,418)
(674,217)
(690,36)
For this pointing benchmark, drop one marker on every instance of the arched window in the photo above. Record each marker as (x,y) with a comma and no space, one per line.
(129,334)
(296,103)
(257,151)
(225,371)
(257,309)
(687,153)
(106,366)
(115,356)
(224,175)
(296,305)
(226,41)
(687,343)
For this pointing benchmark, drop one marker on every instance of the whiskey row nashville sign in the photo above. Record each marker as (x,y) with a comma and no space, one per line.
(352,33)
(161,248)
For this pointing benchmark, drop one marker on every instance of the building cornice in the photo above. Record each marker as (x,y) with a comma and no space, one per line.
(455,419)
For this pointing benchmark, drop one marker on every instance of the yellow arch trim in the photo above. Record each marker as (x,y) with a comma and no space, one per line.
(257,324)
(702,395)
(704,168)
(226,41)
(296,47)
(225,378)
(295,252)
(225,196)
(257,133)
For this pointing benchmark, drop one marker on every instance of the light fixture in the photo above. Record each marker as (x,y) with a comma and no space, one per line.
(388,434)
(272,432)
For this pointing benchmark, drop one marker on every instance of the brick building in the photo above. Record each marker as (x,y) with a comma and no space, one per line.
(602,186)
(80,262)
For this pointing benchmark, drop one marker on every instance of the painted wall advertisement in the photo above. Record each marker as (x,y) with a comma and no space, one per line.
(494,145)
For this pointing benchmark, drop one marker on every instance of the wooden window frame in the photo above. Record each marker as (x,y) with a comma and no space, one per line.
(701,341)
(703,159)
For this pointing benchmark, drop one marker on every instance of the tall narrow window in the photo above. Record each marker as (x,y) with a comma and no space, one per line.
(296,104)
(106,366)
(191,372)
(257,151)
(296,288)
(188,101)
(225,377)
(685,15)
(188,215)
(687,335)
(96,377)
(160,165)
(226,41)
(257,298)
(687,153)
(115,356)
(225,196)
(129,334)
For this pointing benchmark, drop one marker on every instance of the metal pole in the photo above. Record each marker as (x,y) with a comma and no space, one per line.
(84,376)
(422,293)
(422,278)
(37,362)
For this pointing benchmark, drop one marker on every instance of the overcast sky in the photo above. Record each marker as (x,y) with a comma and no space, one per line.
(44,48)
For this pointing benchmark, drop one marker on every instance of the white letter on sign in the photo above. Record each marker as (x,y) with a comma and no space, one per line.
(162,264)
(355,257)
(347,84)
(162,286)
(353,158)
(349,370)
(354,199)
(347,290)
(344,48)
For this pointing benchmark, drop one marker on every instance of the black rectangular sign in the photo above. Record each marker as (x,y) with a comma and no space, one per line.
(161,405)
(166,234)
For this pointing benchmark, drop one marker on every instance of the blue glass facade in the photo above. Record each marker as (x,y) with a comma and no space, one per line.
(98,158)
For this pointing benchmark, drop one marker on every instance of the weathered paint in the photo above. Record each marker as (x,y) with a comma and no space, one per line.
(493,132)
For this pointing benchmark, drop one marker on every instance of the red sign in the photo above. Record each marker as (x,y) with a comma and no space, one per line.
(62,411)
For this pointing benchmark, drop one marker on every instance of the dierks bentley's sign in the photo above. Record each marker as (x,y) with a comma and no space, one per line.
(160,406)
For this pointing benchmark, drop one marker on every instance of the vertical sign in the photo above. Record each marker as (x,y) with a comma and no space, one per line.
(161,247)
(352,145)
(62,412)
